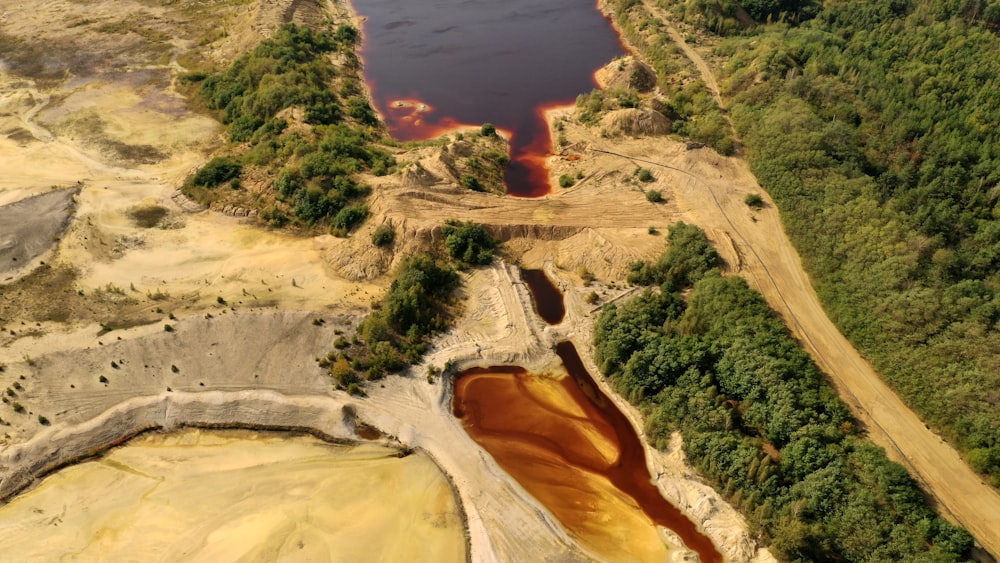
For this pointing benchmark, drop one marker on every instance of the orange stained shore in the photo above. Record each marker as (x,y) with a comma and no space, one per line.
(563,449)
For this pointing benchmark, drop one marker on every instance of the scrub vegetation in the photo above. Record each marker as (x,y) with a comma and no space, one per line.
(689,104)
(300,129)
(417,306)
(872,125)
(703,354)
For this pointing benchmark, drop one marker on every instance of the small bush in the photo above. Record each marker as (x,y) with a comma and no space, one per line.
(566,181)
(591,298)
(103,379)
(168,328)
(174,369)
(43,421)
(470,182)
(754,200)
(383,236)
(468,243)
(217,171)
(18,407)
(654,196)
(488,130)
(350,216)
(645,175)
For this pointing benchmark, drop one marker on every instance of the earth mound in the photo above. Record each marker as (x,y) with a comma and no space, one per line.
(627,73)
(634,122)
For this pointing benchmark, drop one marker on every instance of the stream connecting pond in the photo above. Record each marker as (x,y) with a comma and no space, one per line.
(572,448)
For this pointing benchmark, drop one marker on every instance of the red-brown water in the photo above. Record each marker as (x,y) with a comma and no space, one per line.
(499,410)
(484,61)
(547,297)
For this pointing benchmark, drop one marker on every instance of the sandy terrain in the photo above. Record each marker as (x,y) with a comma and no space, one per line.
(258,368)
(250,358)
(195,496)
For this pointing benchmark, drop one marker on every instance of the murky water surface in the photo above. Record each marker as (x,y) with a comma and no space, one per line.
(570,447)
(546,296)
(475,61)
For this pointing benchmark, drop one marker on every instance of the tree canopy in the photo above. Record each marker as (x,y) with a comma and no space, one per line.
(872,124)
(314,168)
(705,355)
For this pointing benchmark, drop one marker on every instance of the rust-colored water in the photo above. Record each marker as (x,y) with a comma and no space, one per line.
(571,448)
(454,62)
(547,297)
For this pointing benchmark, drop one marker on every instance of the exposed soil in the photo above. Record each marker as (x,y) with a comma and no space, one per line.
(226,496)
(244,298)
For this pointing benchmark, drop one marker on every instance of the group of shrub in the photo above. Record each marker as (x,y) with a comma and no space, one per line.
(312,167)
(888,188)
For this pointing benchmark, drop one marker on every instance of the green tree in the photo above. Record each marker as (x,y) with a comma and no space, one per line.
(468,243)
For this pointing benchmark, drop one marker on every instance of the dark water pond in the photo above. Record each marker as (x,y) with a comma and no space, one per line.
(479,61)
(500,413)
(547,297)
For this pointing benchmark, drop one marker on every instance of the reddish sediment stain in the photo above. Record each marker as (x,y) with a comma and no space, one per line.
(475,61)
(497,408)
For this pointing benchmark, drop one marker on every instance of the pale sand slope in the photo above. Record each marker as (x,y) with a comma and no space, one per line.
(238,496)
(204,254)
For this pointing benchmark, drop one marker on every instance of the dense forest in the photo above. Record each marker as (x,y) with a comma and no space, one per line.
(301,122)
(874,125)
(704,354)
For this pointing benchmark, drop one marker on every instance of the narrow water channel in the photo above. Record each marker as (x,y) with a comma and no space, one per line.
(570,447)
(483,61)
